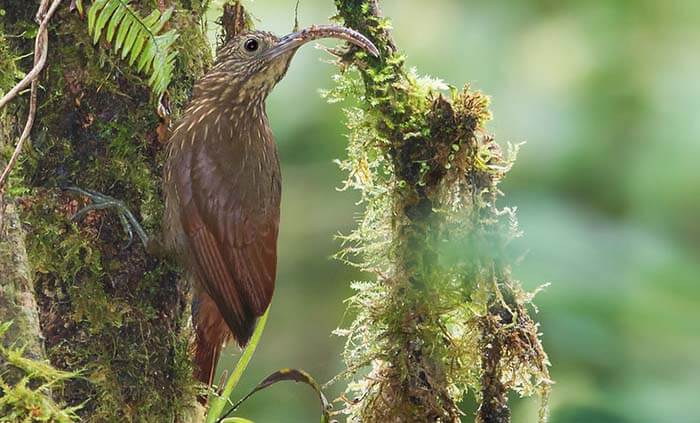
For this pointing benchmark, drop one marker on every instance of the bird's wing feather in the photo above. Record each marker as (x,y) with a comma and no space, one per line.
(234,246)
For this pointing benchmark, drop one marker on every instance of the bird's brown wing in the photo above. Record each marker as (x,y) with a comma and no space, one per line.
(233,244)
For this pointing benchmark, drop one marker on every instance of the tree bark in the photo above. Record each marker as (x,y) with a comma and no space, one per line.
(105,308)
(17,303)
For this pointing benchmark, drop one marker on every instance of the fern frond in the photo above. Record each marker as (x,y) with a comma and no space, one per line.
(138,39)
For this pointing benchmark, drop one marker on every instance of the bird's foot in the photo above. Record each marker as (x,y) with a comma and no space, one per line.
(126,217)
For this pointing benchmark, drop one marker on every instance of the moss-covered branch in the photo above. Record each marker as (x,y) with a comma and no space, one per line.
(443,315)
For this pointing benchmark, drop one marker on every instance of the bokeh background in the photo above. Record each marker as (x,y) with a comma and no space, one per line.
(606,95)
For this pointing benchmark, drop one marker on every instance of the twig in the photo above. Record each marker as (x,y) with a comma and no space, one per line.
(296,17)
(40,53)
(42,18)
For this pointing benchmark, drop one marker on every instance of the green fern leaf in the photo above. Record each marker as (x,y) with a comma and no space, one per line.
(149,22)
(151,19)
(114,22)
(92,13)
(146,59)
(162,20)
(122,32)
(137,38)
(102,19)
(136,50)
(134,31)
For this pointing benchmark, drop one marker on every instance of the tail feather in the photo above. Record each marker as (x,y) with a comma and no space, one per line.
(211,334)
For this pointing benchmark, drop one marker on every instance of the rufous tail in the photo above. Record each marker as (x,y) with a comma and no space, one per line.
(211,333)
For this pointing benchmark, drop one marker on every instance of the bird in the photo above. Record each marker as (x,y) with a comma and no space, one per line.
(222,186)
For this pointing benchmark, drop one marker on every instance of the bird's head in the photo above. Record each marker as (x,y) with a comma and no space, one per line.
(252,63)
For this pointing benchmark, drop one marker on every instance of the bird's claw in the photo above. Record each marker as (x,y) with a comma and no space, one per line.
(102,202)
(127,228)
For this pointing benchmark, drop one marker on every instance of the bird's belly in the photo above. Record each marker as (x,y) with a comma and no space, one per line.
(233,186)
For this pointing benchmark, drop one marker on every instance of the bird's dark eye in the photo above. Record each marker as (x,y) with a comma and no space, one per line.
(251,44)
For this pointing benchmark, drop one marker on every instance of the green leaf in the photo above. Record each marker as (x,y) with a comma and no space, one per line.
(114,22)
(163,19)
(217,403)
(146,58)
(151,19)
(134,32)
(102,20)
(136,49)
(122,32)
(294,375)
(137,38)
(92,13)
(236,420)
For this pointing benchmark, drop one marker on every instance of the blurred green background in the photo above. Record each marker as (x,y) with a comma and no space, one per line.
(606,94)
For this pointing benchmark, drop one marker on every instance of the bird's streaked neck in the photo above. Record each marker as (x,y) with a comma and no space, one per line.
(223,114)
(232,88)
(221,90)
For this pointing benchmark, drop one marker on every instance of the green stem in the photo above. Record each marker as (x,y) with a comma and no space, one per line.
(218,402)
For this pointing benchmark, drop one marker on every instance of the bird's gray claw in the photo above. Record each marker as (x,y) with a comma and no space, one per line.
(127,228)
(102,202)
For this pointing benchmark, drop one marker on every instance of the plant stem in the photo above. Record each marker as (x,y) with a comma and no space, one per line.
(218,402)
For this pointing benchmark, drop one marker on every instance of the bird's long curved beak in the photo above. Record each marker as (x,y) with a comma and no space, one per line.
(295,40)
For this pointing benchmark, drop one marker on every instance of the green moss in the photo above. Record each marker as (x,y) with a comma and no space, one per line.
(9,76)
(8,70)
(192,60)
(26,386)
(121,336)
(440,319)
(107,310)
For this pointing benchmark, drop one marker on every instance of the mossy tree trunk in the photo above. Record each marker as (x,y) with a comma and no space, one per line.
(444,315)
(105,308)
(17,303)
